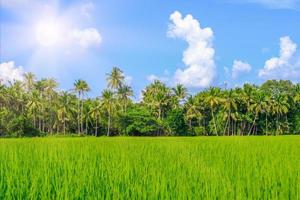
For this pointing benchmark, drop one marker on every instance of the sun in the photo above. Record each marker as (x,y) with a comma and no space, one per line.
(48,32)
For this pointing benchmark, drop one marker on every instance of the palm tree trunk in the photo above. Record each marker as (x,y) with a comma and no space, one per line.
(78,114)
(159,113)
(108,125)
(96,128)
(81,118)
(213,116)
(64,126)
(266,124)
(252,124)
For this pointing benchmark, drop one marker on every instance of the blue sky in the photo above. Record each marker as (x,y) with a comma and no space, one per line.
(197,43)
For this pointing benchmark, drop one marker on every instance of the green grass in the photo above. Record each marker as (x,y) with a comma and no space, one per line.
(150,168)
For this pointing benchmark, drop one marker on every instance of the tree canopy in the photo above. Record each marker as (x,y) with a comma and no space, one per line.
(37,108)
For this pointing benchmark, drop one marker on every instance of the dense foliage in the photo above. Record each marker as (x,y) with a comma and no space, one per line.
(37,107)
(150,168)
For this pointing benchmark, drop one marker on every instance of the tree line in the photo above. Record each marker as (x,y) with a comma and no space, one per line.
(38,108)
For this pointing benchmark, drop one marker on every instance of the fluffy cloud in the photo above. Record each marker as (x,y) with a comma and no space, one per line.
(128,79)
(9,72)
(199,56)
(165,78)
(86,37)
(240,67)
(286,65)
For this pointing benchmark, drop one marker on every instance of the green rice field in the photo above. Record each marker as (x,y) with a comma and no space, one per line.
(150,168)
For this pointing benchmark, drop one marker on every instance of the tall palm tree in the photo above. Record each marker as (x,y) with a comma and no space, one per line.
(34,105)
(124,94)
(229,106)
(213,99)
(108,101)
(81,87)
(192,111)
(115,79)
(157,96)
(50,94)
(64,109)
(95,113)
(257,106)
(281,107)
(29,81)
(180,93)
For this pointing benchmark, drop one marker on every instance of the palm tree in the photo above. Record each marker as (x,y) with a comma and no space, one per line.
(257,106)
(296,97)
(192,111)
(108,101)
(124,94)
(115,79)
(65,109)
(95,113)
(281,107)
(230,107)
(29,81)
(157,96)
(34,105)
(81,87)
(213,99)
(180,93)
(267,109)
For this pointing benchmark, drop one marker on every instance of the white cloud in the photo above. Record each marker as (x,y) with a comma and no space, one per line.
(199,56)
(86,9)
(153,77)
(274,4)
(10,73)
(240,67)
(286,65)
(86,37)
(164,78)
(128,79)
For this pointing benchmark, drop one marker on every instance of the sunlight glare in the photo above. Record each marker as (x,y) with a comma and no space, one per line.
(48,32)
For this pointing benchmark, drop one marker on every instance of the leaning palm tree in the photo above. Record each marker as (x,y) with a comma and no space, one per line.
(213,99)
(115,79)
(108,101)
(81,87)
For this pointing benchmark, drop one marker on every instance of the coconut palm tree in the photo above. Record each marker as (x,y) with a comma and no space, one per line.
(257,107)
(157,96)
(34,105)
(229,106)
(29,81)
(192,111)
(81,87)
(115,79)
(180,93)
(108,101)
(95,113)
(124,93)
(213,99)
(281,107)
(64,109)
